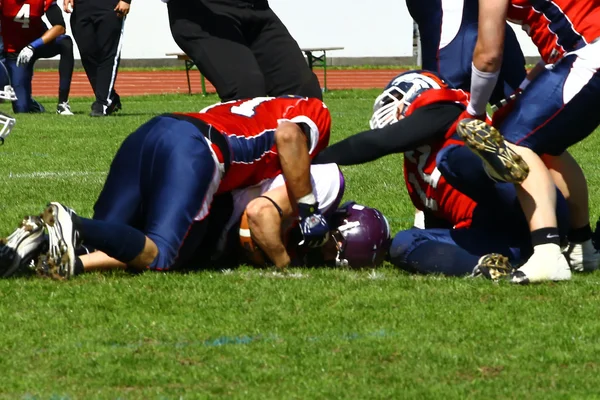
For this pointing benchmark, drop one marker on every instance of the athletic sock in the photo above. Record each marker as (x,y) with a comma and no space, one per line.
(545,236)
(119,241)
(580,235)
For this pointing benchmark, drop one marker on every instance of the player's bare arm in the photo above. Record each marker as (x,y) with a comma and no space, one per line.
(265,222)
(57,21)
(292,146)
(487,56)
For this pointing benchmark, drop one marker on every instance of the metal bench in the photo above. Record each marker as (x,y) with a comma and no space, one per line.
(189,64)
(313,61)
(319,61)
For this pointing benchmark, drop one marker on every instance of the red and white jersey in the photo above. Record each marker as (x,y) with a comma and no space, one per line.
(249,126)
(557,26)
(21,22)
(426,186)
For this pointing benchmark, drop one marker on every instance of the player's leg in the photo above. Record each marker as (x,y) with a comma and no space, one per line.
(216,44)
(182,176)
(62,46)
(109,39)
(84,32)
(448,252)
(512,71)
(281,59)
(20,77)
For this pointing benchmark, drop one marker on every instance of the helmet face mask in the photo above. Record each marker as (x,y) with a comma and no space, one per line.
(391,105)
(6,125)
(8,93)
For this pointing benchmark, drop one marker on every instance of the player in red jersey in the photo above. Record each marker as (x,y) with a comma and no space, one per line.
(161,184)
(557,109)
(417,115)
(26,39)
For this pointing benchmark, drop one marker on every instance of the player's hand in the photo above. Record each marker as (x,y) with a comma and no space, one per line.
(25,55)
(122,9)
(504,107)
(314,227)
(68,6)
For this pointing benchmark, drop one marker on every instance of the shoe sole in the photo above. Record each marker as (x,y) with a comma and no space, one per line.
(485,141)
(60,229)
(10,260)
(493,266)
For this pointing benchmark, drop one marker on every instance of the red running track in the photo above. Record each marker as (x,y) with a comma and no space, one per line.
(160,82)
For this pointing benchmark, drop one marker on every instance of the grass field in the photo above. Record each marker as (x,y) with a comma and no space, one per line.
(313,334)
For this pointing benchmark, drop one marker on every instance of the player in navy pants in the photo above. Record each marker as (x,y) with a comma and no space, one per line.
(448,31)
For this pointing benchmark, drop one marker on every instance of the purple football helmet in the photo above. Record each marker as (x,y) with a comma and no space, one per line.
(362,236)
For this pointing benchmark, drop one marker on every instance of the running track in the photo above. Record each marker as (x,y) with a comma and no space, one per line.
(159,82)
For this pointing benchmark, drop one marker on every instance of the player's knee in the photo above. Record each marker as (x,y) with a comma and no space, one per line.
(66,44)
(21,107)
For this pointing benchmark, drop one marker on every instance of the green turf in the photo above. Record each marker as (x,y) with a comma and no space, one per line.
(255,334)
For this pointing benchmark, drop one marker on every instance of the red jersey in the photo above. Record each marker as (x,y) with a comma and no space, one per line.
(557,26)
(249,126)
(21,22)
(426,186)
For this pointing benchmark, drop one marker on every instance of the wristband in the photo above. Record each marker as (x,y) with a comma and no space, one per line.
(37,43)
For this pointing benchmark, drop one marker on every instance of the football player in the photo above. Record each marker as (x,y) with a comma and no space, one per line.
(417,115)
(162,180)
(556,110)
(448,32)
(26,39)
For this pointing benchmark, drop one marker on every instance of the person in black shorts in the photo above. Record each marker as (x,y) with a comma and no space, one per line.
(242,48)
(98,30)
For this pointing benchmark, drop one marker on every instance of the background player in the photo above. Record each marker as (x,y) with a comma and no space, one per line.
(556,110)
(448,33)
(418,115)
(162,181)
(26,39)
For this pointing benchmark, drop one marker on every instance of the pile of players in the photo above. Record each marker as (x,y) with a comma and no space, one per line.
(511,205)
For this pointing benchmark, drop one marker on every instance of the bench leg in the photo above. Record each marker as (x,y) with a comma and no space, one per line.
(324,71)
(188,66)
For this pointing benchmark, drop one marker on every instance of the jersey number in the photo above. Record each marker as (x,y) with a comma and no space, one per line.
(429,179)
(22,16)
(247,108)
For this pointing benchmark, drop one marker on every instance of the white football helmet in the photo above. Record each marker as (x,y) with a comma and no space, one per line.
(403,89)
(6,125)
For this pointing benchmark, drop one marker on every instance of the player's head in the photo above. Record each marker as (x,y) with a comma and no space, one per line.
(361,235)
(391,105)
(6,125)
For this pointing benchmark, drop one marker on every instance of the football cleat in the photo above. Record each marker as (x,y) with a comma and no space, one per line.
(63,234)
(493,266)
(500,161)
(64,109)
(114,106)
(22,246)
(582,257)
(543,266)
(37,107)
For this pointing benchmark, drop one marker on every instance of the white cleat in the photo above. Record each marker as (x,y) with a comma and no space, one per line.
(23,245)
(64,109)
(583,257)
(64,238)
(546,264)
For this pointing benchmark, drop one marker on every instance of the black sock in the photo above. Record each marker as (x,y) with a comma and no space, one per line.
(78,266)
(544,236)
(580,235)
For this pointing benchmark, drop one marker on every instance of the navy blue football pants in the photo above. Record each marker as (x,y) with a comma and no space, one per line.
(161,181)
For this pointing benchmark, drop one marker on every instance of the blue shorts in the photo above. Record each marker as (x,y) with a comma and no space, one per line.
(560,107)
(161,181)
